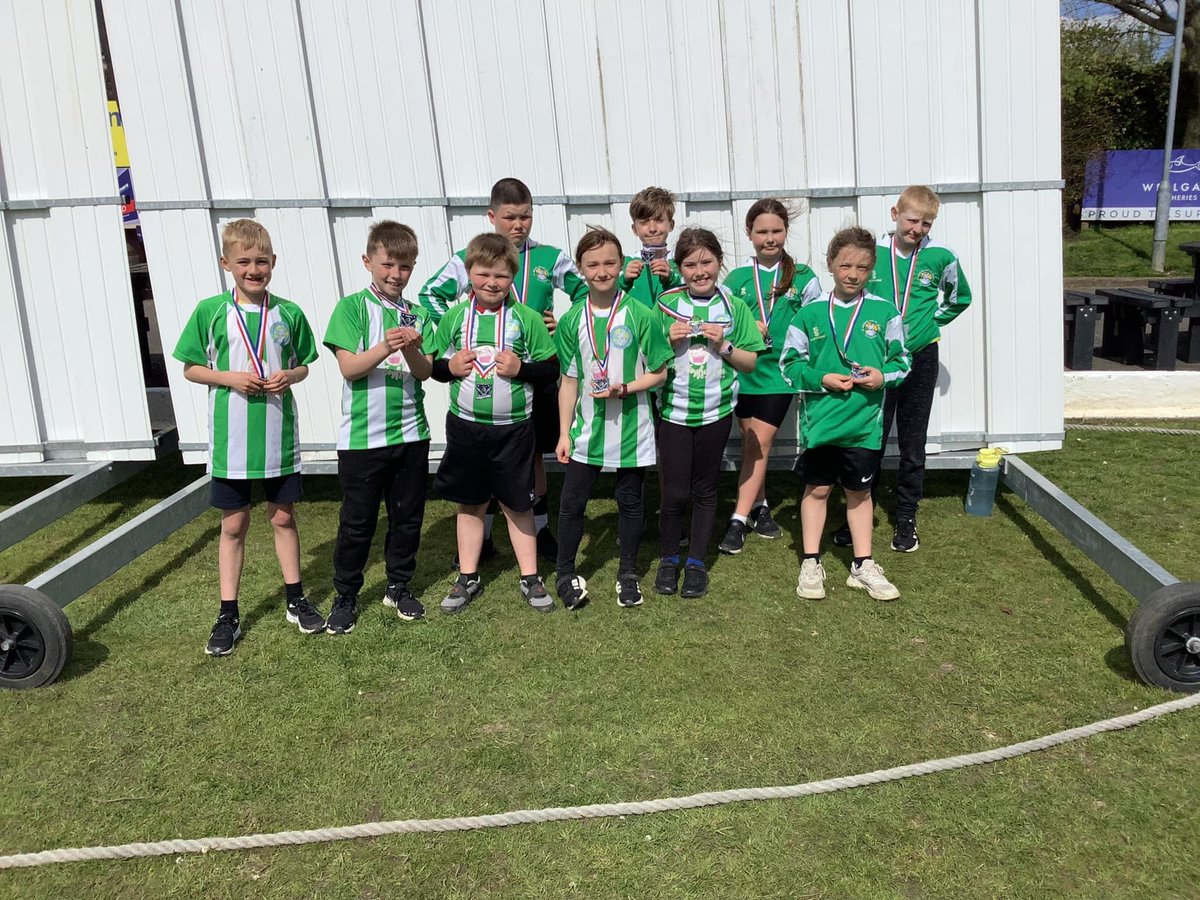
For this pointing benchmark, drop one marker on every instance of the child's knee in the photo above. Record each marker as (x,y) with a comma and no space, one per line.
(235,523)
(818,491)
(857,497)
(282,516)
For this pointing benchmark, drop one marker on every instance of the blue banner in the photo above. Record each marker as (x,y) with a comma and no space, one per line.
(1122,185)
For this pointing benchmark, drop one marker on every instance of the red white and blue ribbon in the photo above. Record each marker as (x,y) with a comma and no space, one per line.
(403,310)
(601,359)
(765,310)
(902,302)
(521,297)
(484,369)
(256,349)
(843,344)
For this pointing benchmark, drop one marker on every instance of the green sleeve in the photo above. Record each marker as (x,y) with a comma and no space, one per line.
(794,361)
(538,343)
(345,331)
(566,340)
(807,284)
(653,342)
(575,287)
(192,346)
(955,294)
(745,334)
(623,283)
(304,342)
(898,360)
(441,291)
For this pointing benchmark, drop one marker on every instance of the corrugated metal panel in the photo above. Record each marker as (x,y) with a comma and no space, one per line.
(828,93)
(18,414)
(579,93)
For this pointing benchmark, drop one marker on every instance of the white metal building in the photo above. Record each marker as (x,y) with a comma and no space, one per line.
(318,116)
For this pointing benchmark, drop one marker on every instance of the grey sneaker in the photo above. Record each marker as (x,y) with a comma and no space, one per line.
(811,585)
(534,591)
(461,593)
(870,578)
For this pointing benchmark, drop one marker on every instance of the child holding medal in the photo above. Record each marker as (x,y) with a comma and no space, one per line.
(614,349)
(841,351)
(645,276)
(714,338)
(383,443)
(249,347)
(494,352)
(774,287)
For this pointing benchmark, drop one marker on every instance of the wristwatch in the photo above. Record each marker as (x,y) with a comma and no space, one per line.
(726,351)
(623,391)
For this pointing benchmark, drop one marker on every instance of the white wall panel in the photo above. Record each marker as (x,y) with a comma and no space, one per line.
(18,412)
(828,93)
(573,31)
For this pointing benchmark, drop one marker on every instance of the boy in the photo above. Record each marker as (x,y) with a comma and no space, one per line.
(912,270)
(494,352)
(841,351)
(541,268)
(383,444)
(249,347)
(647,275)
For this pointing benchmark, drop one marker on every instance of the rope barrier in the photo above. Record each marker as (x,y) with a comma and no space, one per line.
(1130,429)
(594,811)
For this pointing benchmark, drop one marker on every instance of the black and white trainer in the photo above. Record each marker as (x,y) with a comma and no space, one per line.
(343,616)
(304,616)
(401,599)
(572,591)
(735,538)
(905,538)
(629,591)
(764,524)
(841,537)
(224,635)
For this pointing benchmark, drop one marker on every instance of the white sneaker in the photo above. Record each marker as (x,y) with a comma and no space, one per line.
(811,585)
(869,576)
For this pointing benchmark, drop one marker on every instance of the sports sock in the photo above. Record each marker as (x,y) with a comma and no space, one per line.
(696,563)
(816,556)
(293,592)
(230,607)
(745,520)
(468,576)
(859,560)
(488,519)
(541,517)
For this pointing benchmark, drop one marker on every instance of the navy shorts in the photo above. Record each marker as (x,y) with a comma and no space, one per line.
(235,493)
(854,467)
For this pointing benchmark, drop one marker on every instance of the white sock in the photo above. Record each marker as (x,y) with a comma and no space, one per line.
(763,505)
(736,518)
(540,521)
(488,518)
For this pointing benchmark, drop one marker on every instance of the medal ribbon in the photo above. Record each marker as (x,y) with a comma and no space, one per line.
(259,348)
(683,318)
(902,304)
(400,306)
(472,326)
(589,323)
(843,345)
(520,298)
(763,309)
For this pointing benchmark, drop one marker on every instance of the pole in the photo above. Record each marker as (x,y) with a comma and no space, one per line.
(1162,213)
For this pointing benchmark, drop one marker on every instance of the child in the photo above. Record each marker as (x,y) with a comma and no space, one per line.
(541,268)
(774,287)
(383,444)
(617,349)
(646,276)
(842,351)
(494,352)
(911,270)
(714,338)
(250,347)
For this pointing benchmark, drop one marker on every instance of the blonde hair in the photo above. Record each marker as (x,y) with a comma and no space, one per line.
(397,241)
(919,198)
(488,249)
(245,233)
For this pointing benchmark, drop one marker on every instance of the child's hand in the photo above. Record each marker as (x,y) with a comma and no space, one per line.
(460,363)
(679,331)
(872,379)
(508,363)
(837,383)
(563,451)
(246,383)
(278,383)
(409,337)
(551,322)
(393,337)
(715,332)
(660,267)
(634,269)
(762,328)
(613,392)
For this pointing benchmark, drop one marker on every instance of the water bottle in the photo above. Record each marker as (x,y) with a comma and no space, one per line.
(985,476)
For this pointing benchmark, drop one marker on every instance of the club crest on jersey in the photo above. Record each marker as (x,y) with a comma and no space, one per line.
(280,334)
(722,318)
(541,273)
(871,328)
(393,366)
(792,292)
(925,277)
(483,391)
(512,332)
(622,337)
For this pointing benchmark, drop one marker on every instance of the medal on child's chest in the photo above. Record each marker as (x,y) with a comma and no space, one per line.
(256,347)
(599,364)
(901,301)
(842,345)
(393,364)
(766,305)
(484,363)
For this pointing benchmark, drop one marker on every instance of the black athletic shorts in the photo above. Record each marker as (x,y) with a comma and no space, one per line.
(235,493)
(545,418)
(854,467)
(771,408)
(485,461)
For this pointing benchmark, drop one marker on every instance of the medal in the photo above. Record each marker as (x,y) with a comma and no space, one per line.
(902,302)
(843,345)
(404,315)
(599,364)
(257,349)
(766,305)
(651,252)
(485,356)
(694,322)
(695,326)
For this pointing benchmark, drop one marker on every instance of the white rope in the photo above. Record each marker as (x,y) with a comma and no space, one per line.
(595,811)
(1129,429)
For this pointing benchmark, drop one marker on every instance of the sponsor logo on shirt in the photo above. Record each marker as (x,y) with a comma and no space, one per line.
(925,277)
(871,328)
(622,337)
(817,333)
(541,273)
(792,292)
(280,334)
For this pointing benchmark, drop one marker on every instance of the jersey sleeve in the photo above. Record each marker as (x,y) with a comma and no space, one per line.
(304,342)
(808,284)
(568,279)
(443,340)
(745,334)
(192,346)
(955,294)
(566,339)
(897,361)
(441,291)
(345,326)
(652,340)
(794,360)
(538,343)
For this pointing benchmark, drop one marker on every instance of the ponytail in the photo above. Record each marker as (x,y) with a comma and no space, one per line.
(787,274)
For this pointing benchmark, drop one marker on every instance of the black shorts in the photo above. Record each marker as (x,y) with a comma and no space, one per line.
(771,408)
(854,467)
(545,418)
(485,461)
(234,493)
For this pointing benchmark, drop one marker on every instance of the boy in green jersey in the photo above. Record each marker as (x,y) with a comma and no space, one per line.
(541,268)
(249,347)
(646,276)
(924,280)
(494,352)
(841,351)
(612,351)
(383,442)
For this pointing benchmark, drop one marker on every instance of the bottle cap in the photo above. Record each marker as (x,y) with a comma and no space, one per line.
(989,457)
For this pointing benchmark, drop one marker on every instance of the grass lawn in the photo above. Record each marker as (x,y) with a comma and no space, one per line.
(1004,633)
(1124,251)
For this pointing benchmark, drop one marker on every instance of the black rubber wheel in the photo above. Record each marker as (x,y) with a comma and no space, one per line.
(1163,638)
(35,638)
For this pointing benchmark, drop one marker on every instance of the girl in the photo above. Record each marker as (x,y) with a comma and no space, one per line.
(714,338)
(774,287)
(615,347)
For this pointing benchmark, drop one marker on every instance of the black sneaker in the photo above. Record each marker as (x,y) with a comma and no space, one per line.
(905,538)
(841,537)
(224,635)
(535,594)
(629,591)
(547,545)
(666,581)
(343,615)
(572,591)
(486,552)
(304,616)
(461,593)
(695,582)
(763,524)
(400,598)
(735,538)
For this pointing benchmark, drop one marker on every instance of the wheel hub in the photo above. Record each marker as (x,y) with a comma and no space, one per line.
(1193,645)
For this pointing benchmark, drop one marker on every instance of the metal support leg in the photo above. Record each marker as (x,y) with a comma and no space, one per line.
(1165,337)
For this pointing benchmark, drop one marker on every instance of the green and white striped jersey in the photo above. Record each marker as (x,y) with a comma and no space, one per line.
(615,433)
(701,387)
(249,437)
(826,336)
(766,377)
(543,268)
(485,396)
(934,271)
(386,406)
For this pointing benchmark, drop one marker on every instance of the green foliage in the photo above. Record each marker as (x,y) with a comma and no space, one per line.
(1112,251)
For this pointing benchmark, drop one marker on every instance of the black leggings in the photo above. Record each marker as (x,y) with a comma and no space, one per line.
(909,405)
(576,489)
(689,464)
